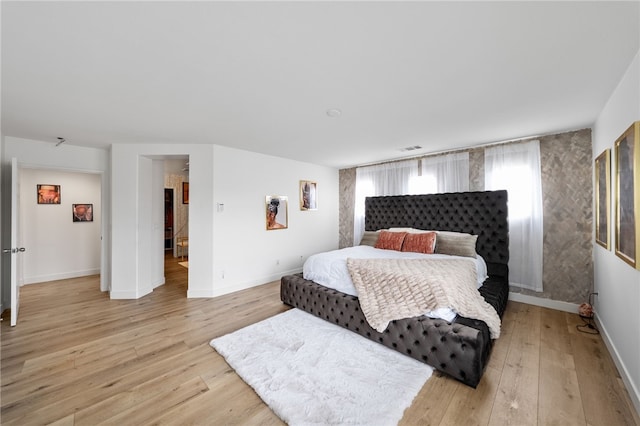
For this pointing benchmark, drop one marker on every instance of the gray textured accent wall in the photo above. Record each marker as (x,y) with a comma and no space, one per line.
(347,182)
(476,169)
(567,189)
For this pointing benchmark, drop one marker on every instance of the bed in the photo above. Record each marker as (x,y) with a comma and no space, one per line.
(459,348)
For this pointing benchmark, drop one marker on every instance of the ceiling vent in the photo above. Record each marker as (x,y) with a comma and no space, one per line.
(411,148)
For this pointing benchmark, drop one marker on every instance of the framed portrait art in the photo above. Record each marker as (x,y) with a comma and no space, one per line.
(603,197)
(83,212)
(277,212)
(627,195)
(308,195)
(48,194)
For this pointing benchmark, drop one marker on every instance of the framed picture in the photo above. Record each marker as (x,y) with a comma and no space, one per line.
(603,197)
(82,212)
(308,195)
(277,212)
(185,192)
(48,194)
(627,159)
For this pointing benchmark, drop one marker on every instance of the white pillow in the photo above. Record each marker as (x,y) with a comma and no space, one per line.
(408,230)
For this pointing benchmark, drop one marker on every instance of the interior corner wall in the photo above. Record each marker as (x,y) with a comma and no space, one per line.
(617,283)
(245,252)
(137,235)
(57,247)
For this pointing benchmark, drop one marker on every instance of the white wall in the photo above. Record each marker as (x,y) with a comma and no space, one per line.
(3,235)
(617,283)
(245,253)
(57,247)
(45,155)
(233,242)
(138,230)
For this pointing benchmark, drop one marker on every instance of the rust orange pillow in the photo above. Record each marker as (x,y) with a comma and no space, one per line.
(390,240)
(420,243)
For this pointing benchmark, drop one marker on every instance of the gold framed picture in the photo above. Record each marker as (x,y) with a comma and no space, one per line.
(603,197)
(308,195)
(627,186)
(277,212)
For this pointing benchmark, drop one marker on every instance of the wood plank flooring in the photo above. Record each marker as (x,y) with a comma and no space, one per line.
(79,358)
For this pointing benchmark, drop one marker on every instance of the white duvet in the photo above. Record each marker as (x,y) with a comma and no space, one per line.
(330,269)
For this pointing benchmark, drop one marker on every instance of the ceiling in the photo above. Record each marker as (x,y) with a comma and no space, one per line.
(261,76)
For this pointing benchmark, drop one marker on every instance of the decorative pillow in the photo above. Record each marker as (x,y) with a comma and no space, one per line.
(424,242)
(390,240)
(456,244)
(370,238)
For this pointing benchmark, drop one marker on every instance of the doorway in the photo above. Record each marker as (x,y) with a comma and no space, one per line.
(62,236)
(176,219)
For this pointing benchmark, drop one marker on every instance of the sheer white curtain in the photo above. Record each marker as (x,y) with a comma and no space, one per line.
(516,168)
(444,173)
(381,179)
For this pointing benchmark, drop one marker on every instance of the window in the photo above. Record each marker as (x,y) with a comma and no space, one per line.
(381,179)
(516,168)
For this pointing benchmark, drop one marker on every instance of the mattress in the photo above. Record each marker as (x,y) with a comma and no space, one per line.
(330,270)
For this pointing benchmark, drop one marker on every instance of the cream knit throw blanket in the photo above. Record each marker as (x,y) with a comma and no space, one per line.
(391,289)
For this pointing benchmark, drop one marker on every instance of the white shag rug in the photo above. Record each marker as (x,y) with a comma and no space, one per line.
(312,372)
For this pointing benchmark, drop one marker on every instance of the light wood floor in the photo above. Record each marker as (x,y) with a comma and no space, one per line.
(78,358)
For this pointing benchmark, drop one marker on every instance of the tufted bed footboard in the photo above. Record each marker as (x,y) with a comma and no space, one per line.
(460,349)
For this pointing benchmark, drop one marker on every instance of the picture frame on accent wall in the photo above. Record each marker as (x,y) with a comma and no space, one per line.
(277,207)
(82,212)
(308,195)
(603,197)
(185,192)
(48,194)
(627,190)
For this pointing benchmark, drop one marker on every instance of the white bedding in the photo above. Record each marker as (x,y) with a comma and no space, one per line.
(330,269)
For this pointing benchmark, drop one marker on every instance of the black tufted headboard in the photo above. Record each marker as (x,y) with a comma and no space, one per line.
(483,214)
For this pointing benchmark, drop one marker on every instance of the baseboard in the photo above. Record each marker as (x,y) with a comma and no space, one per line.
(60,276)
(632,389)
(232,288)
(135,294)
(545,303)
(195,294)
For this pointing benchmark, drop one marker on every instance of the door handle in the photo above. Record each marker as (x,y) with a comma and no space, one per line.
(7,250)
(15,250)
(22,249)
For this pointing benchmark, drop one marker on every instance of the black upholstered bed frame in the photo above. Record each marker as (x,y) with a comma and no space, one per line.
(461,348)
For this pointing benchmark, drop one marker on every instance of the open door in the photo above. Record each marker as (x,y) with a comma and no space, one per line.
(15,250)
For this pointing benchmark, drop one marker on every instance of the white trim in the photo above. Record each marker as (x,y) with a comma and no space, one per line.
(60,276)
(634,392)
(545,303)
(220,291)
(194,294)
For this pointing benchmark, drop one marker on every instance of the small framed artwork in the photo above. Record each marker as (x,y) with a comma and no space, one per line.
(308,195)
(82,212)
(48,194)
(603,197)
(627,213)
(185,192)
(277,212)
